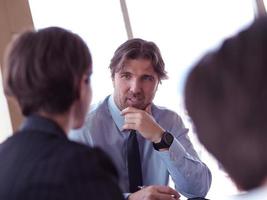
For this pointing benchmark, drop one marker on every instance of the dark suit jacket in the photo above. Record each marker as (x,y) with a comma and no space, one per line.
(40,163)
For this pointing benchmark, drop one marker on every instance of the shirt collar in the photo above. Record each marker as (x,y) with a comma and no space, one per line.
(115,113)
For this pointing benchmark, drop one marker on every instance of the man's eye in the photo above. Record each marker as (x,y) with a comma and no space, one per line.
(125,76)
(148,78)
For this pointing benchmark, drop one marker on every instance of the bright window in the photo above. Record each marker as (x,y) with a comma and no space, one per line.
(265,3)
(98,22)
(5,124)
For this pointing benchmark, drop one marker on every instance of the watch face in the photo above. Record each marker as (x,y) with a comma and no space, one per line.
(168,138)
(165,142)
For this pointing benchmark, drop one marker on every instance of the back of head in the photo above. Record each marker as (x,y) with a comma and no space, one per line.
(138,49)
(43,69)
(226,95)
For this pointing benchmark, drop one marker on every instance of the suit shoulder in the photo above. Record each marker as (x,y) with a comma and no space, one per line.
(97,114)
(90,158)
(72,147)
(160,110)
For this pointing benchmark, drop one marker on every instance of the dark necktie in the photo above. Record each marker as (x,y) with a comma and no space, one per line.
(134,163)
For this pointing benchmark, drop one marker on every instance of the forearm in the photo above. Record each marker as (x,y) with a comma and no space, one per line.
(192,178)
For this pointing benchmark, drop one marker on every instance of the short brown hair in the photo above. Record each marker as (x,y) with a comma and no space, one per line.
(226,95)
(43,69)
(136,49)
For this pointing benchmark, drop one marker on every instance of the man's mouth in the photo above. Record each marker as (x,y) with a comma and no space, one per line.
(134,102)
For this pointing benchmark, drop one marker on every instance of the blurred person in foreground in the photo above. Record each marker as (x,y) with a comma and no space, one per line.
(226,97)
(162,148)
(48,73)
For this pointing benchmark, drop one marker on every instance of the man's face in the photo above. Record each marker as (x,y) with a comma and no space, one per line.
(135,84)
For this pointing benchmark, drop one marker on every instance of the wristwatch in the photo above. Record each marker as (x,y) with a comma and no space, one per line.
(165,142)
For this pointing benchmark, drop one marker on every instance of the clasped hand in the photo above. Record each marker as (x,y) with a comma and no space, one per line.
(143,122)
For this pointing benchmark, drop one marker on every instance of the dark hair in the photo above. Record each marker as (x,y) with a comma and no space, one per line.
(43,69)
(136,49)
(226,97)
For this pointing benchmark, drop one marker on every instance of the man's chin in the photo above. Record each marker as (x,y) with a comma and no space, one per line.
(138,106)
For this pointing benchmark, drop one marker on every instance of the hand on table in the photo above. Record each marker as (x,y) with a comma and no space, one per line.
(155,192)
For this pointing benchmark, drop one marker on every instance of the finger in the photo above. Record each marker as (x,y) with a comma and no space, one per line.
(129,126)
(132,115)
(133,118)
(162,196)
(167,190)
(130,120)
(129,110)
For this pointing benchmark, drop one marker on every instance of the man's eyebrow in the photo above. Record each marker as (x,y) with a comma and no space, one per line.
(124,72)
(149,75)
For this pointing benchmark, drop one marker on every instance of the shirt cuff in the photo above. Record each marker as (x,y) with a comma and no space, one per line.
(126,195)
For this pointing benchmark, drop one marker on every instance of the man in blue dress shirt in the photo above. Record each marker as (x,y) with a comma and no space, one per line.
(137,68)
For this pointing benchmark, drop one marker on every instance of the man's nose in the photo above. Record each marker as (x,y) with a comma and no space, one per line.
(135,86)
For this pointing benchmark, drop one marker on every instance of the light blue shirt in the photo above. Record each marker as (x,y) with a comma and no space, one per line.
(103,128)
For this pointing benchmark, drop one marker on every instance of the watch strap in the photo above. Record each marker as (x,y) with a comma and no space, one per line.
(165,142)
